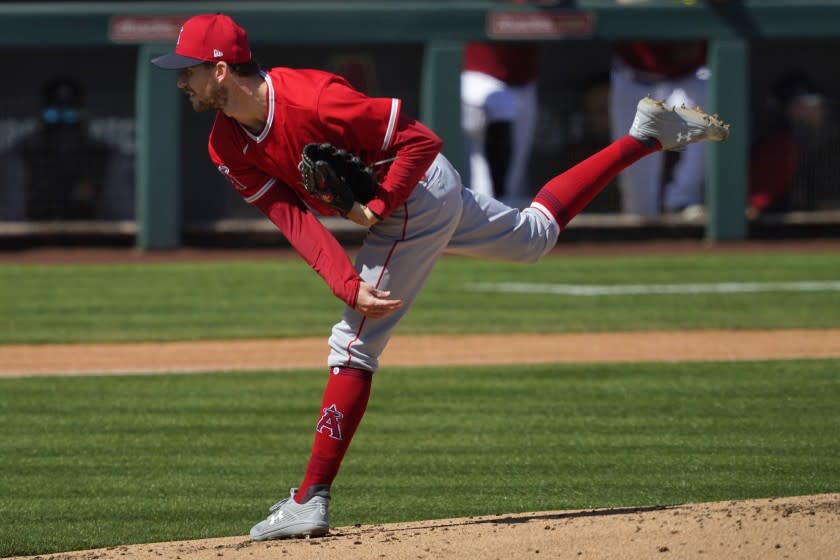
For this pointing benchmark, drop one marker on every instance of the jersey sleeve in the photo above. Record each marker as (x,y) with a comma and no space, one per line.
(306,234)
(312,241)
(415,148)
(375,125)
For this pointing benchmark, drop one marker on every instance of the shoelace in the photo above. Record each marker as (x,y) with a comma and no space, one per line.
(278,505)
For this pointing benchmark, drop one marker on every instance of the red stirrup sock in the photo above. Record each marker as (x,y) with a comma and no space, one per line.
(343,405)
(568,193)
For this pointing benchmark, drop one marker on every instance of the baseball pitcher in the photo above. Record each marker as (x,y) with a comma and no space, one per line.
(299,142)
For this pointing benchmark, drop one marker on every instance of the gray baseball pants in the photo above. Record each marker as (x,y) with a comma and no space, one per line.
(399,253)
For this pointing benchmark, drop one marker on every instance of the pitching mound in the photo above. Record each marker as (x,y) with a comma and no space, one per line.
(796,528)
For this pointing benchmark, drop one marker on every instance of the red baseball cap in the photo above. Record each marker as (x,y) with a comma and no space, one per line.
(207,38)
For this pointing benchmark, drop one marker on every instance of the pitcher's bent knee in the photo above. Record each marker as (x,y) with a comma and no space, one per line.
(544,234)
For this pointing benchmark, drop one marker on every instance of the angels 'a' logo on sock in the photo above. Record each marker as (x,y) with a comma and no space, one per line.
(330,423)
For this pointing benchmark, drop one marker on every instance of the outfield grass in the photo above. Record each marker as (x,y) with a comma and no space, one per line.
(266,299)
(99,461)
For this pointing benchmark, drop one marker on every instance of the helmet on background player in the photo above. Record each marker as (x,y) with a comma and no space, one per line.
(207,38)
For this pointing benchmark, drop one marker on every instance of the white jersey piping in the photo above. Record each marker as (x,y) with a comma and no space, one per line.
(392,123)
(264,189)
(269,119)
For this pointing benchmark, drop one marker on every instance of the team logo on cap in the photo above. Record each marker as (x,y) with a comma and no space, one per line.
(178,42)
(217,53)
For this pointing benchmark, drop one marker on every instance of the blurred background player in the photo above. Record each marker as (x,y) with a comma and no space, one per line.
(791,152)
(499,116)
(676,73)
(63,166)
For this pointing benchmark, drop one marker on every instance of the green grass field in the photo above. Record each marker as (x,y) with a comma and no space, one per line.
(112,460)
(213,300)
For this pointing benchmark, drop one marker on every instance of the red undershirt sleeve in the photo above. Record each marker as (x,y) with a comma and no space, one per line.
(312,241)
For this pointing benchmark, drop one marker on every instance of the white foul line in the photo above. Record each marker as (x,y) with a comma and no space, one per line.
(584,290)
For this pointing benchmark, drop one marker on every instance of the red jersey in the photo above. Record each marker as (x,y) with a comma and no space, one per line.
(773,169)
(663,59)
(305,106)
(516,64)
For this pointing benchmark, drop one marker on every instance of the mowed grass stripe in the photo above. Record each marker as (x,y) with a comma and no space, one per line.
(113,460)
(272,299)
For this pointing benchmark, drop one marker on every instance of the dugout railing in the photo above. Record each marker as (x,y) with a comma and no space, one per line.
(441,28)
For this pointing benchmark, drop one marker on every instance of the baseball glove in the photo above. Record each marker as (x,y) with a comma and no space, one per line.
(336,177)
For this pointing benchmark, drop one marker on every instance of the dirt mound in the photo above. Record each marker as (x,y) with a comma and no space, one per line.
(804,528)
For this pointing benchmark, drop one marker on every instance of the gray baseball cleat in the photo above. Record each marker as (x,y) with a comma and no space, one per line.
(288,519)
(675,127)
